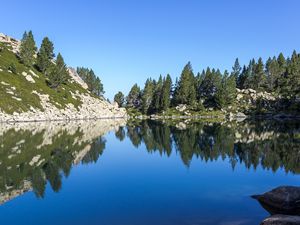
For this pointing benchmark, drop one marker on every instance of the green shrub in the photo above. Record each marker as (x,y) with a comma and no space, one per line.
(12,67)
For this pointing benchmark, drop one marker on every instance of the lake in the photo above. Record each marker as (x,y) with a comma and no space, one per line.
(143,172)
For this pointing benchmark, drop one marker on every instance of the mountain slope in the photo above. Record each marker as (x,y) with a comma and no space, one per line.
(25,96)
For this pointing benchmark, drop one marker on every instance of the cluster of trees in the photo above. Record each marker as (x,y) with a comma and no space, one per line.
(55,69)
(212,88)
(197,91)
(279,75)
(89,77)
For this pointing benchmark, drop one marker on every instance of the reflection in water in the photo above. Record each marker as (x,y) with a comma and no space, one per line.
(33,154)
(270,144)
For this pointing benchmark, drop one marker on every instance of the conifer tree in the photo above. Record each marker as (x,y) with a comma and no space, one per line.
(282,82)
(27,49)
(156,102)
(242,78)
(186,93)
(259,76)
(236,70)
(273,74)
(93,82)
(57,73)
(209,85)
(166,93)
(226,92)
(45,55)
(293,76)
(133,99)
(147,95)
(249,75)
(119,98)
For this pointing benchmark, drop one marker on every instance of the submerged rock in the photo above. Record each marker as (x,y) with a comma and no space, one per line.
(281,200)
(281,220)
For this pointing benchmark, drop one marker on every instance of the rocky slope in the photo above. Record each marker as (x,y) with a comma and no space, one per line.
(25,96)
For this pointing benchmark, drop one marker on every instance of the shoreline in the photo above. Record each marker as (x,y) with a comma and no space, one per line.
(61,120)
(20,119)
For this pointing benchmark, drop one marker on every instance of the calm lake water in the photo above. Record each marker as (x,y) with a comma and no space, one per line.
(149,172)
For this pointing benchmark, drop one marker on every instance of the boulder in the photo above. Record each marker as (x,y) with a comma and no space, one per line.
(281,220)
(240,115)
(181,107)
(281,200)
(239,96)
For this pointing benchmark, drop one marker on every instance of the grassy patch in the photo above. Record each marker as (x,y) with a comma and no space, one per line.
(19,88)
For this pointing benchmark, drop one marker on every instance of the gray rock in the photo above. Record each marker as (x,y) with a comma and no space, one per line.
(281,200)
(240,115)
(281,220)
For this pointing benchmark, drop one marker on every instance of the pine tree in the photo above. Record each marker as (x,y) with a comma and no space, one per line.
(186,93)
(119,98)
(293,76)
(242,78)
(282,81)
(209,86)
(166,93)
(156,102)
(57,73)
(147,95)
(249,81)
(27,49)
(226,92)
(230,90)
(93,82)
(45,55)
(273,74)
(259,76)
(236,70)
(133,99)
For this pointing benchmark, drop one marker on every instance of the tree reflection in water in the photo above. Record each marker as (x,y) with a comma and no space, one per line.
(30,159)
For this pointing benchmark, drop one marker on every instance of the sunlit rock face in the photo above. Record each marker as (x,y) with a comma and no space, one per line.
(32,154)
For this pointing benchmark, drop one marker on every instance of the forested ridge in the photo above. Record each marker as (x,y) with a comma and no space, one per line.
(213,89)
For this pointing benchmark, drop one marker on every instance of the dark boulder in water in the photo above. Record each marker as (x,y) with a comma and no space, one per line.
(281,200)
(281,220)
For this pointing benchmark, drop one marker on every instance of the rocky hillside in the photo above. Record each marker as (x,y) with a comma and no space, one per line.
(25,96)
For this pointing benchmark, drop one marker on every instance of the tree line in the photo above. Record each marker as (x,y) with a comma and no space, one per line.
(212,88)
(55,69)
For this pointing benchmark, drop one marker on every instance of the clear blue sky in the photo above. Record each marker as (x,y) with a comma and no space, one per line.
(127,41)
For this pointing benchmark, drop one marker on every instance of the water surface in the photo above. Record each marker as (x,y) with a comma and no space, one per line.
(146,172)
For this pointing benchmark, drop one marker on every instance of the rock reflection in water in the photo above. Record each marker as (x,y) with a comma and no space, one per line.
(33,153)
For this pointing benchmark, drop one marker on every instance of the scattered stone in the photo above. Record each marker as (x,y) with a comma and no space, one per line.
(239,96)
(33,74)
(281,220)
(16,98)
(34,160)
(4,83)
(8,91)
(181,107)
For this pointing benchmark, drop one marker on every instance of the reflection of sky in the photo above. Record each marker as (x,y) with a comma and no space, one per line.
(128,185)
